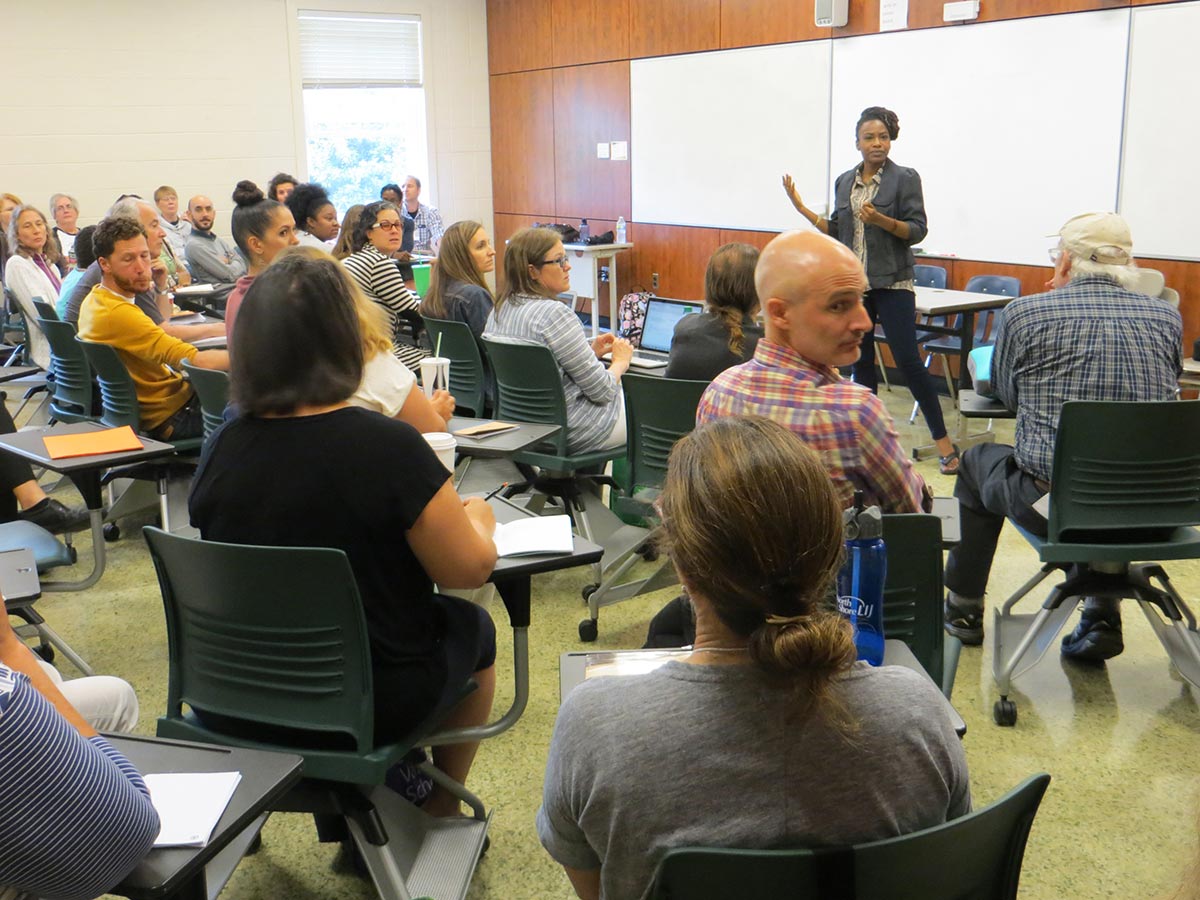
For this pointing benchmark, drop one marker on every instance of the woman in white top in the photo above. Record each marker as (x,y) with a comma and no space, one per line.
(32,271)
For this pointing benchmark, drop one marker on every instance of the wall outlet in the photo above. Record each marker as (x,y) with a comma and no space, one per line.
(654,282)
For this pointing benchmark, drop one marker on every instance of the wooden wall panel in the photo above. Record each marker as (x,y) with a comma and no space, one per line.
(864,15)
(663,27)
(588,31)
(679,254)
(506,226)
(523,142)
(746,23)
(520,35)
(757,239)
(1185,278)
(591,105)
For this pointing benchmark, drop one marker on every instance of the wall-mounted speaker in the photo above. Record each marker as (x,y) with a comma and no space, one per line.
(832,13)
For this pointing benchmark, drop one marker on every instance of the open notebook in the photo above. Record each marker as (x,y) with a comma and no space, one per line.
(534,535)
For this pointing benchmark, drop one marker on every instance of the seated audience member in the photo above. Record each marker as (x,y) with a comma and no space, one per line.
(770,707)
(267,477)
(726,333)
(261,229)
(77,816)
(8,203)
(177,228)
(281,186)
(374,241)
(22,498)
(155,301)
(210,258)
(170,409)
(84,257)
(32,269)
(811,290)
(457,290)
(387,384)
(177,270)
(65,210)
(316,218)
(527,310)
(343,248)
(393,193)
(427,221)
(1091,337)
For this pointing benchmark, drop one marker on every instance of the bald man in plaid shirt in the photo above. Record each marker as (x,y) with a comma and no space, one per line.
(811,290)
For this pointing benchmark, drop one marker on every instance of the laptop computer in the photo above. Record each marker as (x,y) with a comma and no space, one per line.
(658,330)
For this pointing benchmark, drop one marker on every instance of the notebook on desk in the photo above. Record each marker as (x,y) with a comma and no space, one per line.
(658,330)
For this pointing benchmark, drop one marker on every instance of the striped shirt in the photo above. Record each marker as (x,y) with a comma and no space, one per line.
(381,281)
(1090,340)
(593,398)
(843,422)
(76,816)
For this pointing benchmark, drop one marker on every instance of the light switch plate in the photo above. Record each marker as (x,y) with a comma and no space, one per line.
(602,150)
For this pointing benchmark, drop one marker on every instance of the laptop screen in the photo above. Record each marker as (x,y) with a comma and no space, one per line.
(661,316)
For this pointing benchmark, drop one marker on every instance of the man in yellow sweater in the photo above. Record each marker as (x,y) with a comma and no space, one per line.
(170,409)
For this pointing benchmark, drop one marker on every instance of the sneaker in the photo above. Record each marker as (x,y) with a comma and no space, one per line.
(964,619)
(54,517)
(1095,639)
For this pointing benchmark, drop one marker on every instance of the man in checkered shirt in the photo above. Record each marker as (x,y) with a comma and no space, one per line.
(1094,336)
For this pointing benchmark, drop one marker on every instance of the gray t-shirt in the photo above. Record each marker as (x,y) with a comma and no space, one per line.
(710,756)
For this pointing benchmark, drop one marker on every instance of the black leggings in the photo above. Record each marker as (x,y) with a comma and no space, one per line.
(13,470)
(896,311)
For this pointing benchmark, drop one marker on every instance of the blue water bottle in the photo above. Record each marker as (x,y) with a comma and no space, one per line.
(861,580)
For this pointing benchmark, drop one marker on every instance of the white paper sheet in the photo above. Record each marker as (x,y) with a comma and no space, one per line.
(190,804)
(893,15)
(538,534)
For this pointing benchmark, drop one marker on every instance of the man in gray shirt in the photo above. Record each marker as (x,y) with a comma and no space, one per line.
(211,259)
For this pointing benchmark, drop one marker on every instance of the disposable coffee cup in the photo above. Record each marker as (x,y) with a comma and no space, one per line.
(443,444)
(435,374)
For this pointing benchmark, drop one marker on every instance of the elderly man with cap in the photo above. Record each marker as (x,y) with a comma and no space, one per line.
(1093,336)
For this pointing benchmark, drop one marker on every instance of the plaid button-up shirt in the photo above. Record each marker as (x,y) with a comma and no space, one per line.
(427,226)
(1090,340)
(844,422)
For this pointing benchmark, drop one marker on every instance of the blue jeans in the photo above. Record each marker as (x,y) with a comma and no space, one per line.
(896,311)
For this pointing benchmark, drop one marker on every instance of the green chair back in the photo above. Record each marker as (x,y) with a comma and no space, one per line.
(212,387)
(421,278)
(528,386)
(45,310)
(976,857)
(274,637)
(658,412)
(912,594)
(73,391)
(468,377)
(118,394)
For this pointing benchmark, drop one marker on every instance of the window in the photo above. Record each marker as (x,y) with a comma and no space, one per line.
(364,102)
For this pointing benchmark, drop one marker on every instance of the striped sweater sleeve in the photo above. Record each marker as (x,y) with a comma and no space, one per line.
(76,816)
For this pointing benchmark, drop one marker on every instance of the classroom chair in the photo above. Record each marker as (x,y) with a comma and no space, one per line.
(45,310)
(72,389)
(274,641)
(529,389)
(468,375)
(13,329)
(212,387)
(658,412)
(978,856)
(48,553)
(1125,486)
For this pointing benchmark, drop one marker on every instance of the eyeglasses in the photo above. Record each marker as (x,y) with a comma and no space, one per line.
(387,226)
(561,262)
(1055,254)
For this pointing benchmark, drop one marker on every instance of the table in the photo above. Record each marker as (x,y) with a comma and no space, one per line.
(572,668)
(183,873)
(585,277)
(505,444)
(1188,378)
(84,471)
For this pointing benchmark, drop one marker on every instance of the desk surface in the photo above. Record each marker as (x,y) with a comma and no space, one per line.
(29,444)
(598,248)
(265,778)
(585,551)
(974,406)
(938,302)
(506,443)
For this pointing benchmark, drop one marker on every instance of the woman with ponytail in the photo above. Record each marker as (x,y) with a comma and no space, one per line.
(726,333)
(768,734)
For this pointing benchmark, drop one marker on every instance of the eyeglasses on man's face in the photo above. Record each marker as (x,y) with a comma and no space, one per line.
(386,226)
(560,261)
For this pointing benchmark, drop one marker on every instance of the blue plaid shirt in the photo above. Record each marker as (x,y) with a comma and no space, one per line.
(1090,340)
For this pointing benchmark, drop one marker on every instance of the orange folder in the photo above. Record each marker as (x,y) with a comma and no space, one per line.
(92,443)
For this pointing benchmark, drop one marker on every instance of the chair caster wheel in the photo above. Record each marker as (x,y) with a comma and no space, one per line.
(1005,713)
(588,590)
(649,553)
(112,532)
(45,651)
(589,629)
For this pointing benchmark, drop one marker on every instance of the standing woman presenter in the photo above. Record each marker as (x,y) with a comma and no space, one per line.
(879,213)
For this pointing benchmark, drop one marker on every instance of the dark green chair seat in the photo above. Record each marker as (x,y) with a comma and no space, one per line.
(975,857)
(73,391)
(212,387)
(468,375)
(1125,493)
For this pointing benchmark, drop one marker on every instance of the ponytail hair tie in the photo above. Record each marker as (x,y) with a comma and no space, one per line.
(784,620)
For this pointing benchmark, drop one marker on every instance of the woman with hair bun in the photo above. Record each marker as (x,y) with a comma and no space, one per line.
(261,229)
(315,215)
(768,734)
(879,213)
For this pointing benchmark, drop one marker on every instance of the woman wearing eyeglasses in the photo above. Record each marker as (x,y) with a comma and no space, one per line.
(535,273)
(376,237)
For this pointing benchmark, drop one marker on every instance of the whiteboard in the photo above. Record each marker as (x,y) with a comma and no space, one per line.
(713,133)
(1014,126)
(1162,131)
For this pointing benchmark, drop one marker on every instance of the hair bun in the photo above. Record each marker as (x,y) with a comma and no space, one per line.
(247,193)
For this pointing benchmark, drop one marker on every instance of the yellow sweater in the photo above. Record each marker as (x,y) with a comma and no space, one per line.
(146,350)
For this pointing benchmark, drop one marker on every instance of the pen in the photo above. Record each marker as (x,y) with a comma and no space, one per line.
(496,491)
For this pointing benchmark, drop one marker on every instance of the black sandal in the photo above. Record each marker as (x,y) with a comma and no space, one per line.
(948,465)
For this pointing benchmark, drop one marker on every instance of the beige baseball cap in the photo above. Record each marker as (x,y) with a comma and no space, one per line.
(1100,237)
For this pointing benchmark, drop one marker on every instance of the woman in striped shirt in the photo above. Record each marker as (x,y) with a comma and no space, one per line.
(527,310)
(376,237)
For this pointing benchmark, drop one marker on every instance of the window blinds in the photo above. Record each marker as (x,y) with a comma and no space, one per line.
(340,49)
